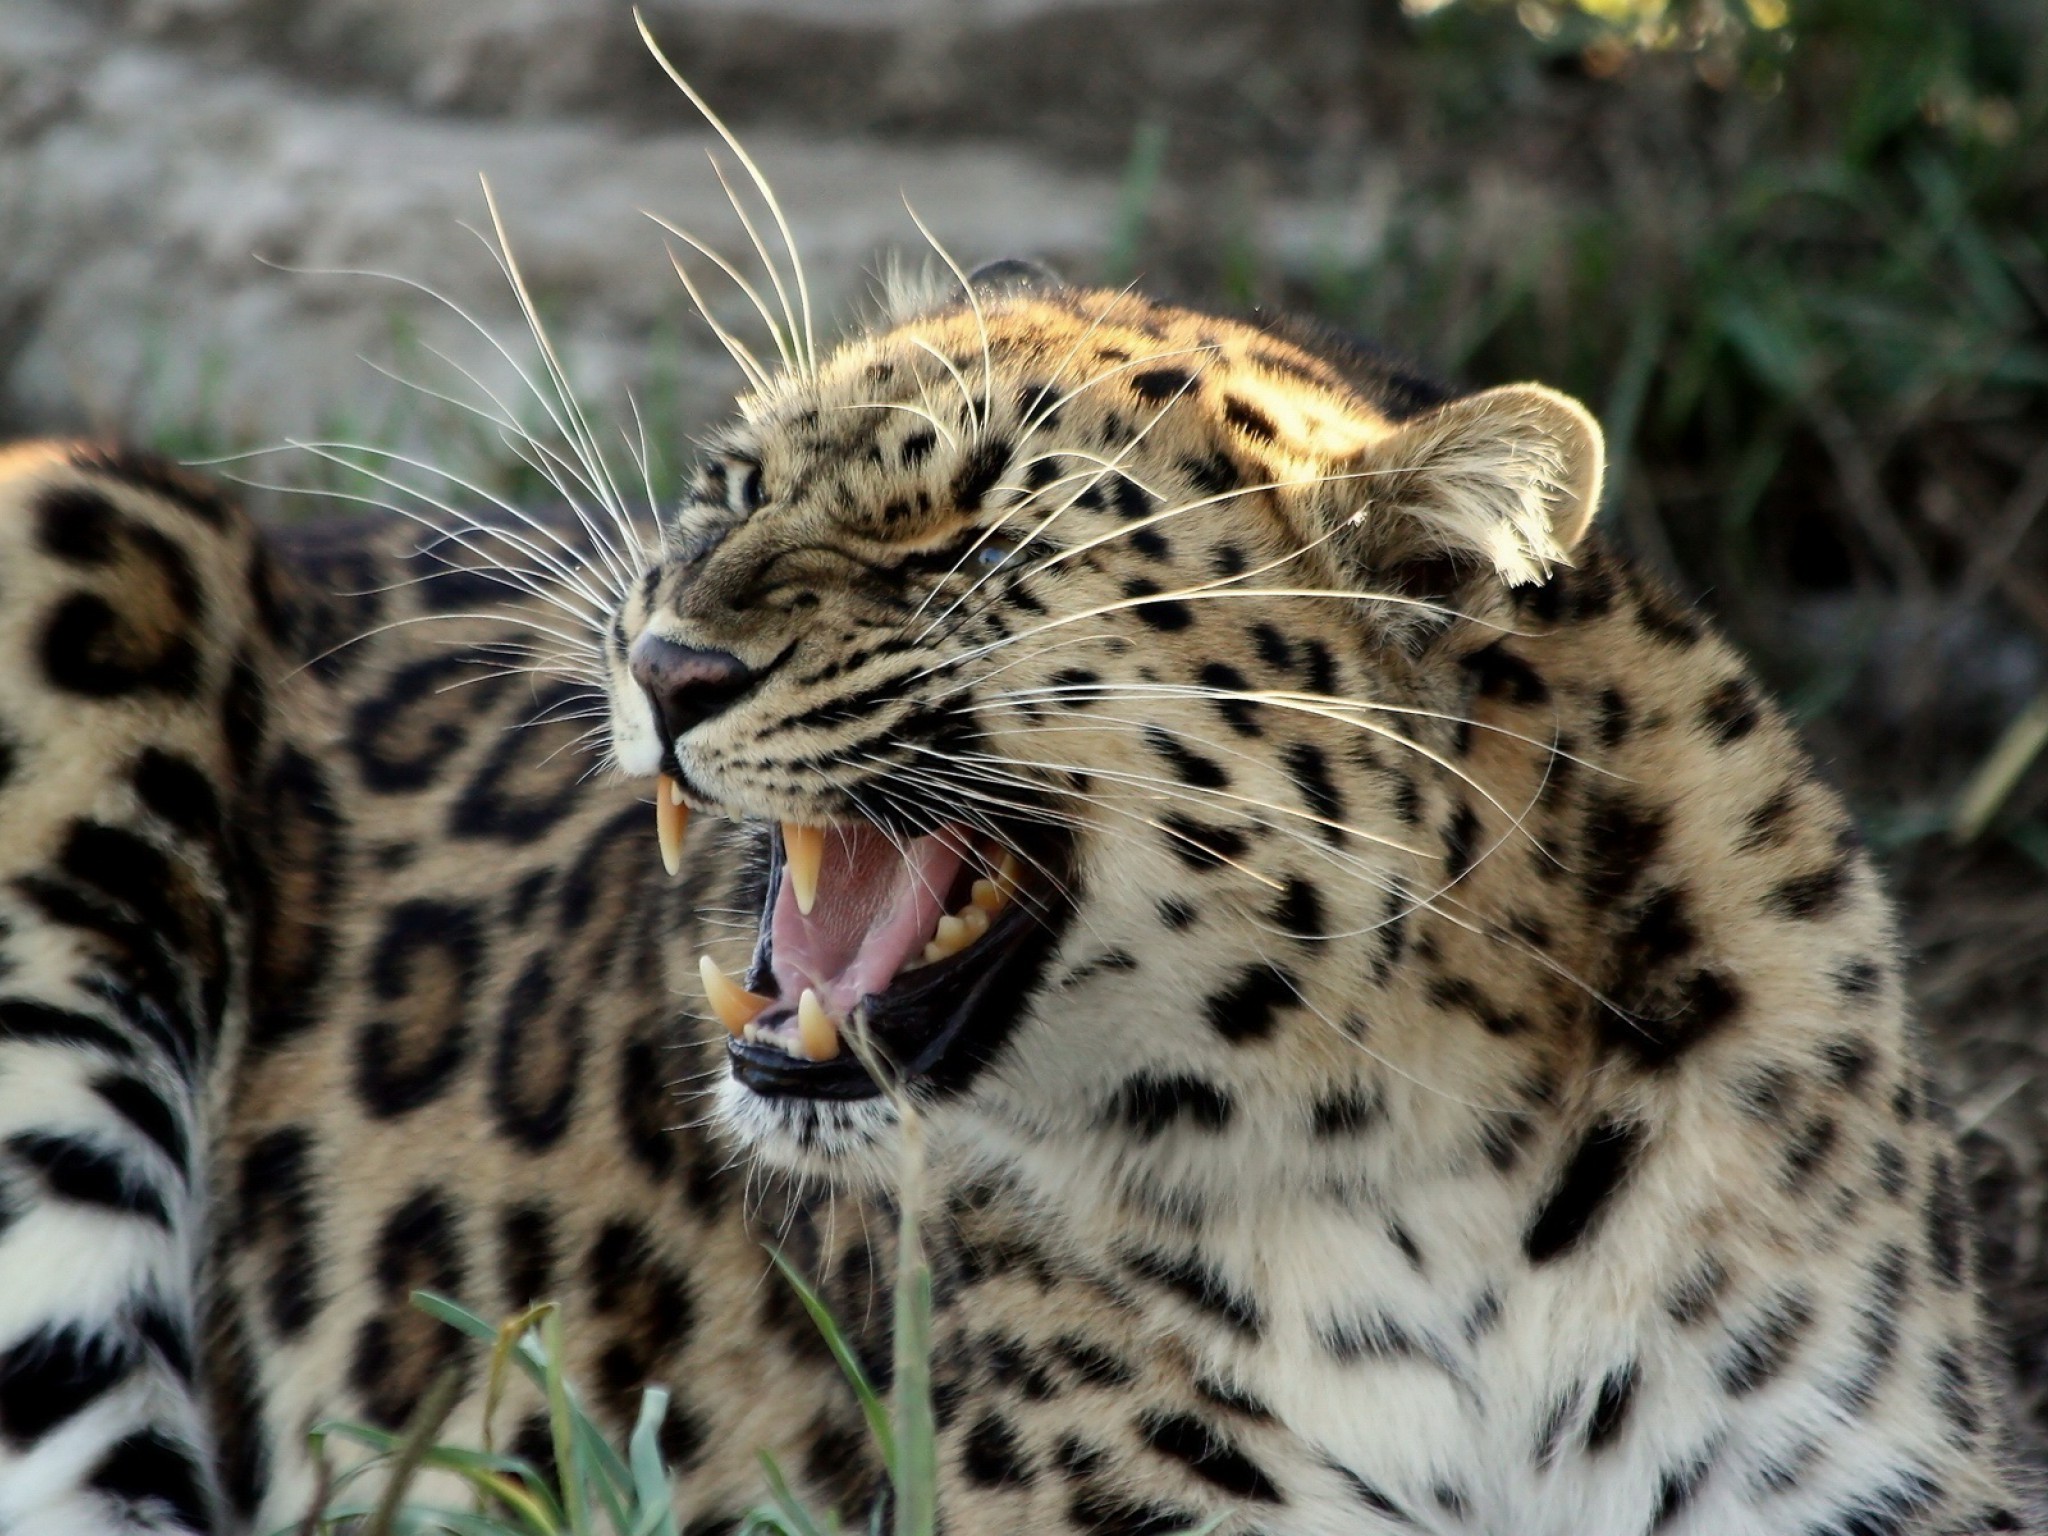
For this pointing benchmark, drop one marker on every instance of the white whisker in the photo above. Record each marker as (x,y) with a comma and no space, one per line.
(757,376)
(988,365)
(761,185)
(784,345)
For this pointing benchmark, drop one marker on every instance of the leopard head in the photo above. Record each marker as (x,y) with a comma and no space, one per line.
(1067,660)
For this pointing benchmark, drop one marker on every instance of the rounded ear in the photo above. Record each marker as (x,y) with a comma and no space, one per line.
(1511,475)
(1013,275)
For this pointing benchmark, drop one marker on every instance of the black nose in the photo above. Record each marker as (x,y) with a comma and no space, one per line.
(686,686)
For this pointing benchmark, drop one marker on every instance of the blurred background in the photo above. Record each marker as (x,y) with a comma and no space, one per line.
(1793,252)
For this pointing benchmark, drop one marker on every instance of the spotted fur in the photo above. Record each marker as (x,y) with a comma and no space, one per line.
(1469,1089)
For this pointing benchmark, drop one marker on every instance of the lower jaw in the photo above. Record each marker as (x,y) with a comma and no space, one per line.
(774,1073)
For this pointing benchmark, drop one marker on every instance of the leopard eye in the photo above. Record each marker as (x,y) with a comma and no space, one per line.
(996,551)
(751,493)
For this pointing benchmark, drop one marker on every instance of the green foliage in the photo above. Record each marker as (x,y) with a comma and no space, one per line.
(1874,254)
(591,1488)
(594,1490)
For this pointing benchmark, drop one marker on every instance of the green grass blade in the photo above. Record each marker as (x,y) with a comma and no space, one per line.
(1134,201)
(455,1315)
(430,1517)
(650,1477)
(916,1473)
(428,1415)
(382,1441)
(794,1517)
(581,1450)
(607,1469)
(871,1404)
(561,1426)
(597,1458)
(510,1334)
(526,1495)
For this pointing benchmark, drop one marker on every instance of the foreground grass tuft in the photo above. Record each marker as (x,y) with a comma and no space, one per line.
(595,1488)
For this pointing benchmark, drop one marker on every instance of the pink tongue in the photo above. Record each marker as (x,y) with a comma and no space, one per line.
(876,910)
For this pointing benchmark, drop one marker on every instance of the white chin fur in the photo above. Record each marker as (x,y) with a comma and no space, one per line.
(851,1144)
(636,751)
(635,736)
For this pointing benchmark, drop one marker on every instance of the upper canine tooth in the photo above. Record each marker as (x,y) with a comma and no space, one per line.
(671,817)
(814,1027)
(735,1006)
(1007,872)
(803,851)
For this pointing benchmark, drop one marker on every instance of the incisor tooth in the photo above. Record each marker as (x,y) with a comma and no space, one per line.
(814,1027)
(735,1006)
(671,818)
(803,850)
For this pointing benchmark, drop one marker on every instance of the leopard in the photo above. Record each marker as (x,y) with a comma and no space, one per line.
(1380,1023)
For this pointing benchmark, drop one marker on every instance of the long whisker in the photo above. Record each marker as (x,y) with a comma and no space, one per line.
(1193,792)
(1220,588)
(1048,520)
(426,290)
(761,185)
(510,577)
(799,366)
(984,763)
(569,576)
(1306,704)
(1326,706)
(1046,406)
(642,456)
(988,366)
(1433,901)
(513,578)
(507,419)
(757,376)
(783,344)
(966,394)
(425,618)
(1442,901)
(921,414)
(581,438)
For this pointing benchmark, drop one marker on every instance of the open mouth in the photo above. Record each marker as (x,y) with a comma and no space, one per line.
(926,946)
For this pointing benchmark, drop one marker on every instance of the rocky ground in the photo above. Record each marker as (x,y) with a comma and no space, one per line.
(174,175)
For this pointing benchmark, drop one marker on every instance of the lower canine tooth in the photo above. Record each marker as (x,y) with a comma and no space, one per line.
(803,851)
(814,1027)
(671,818)
(735,1006)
